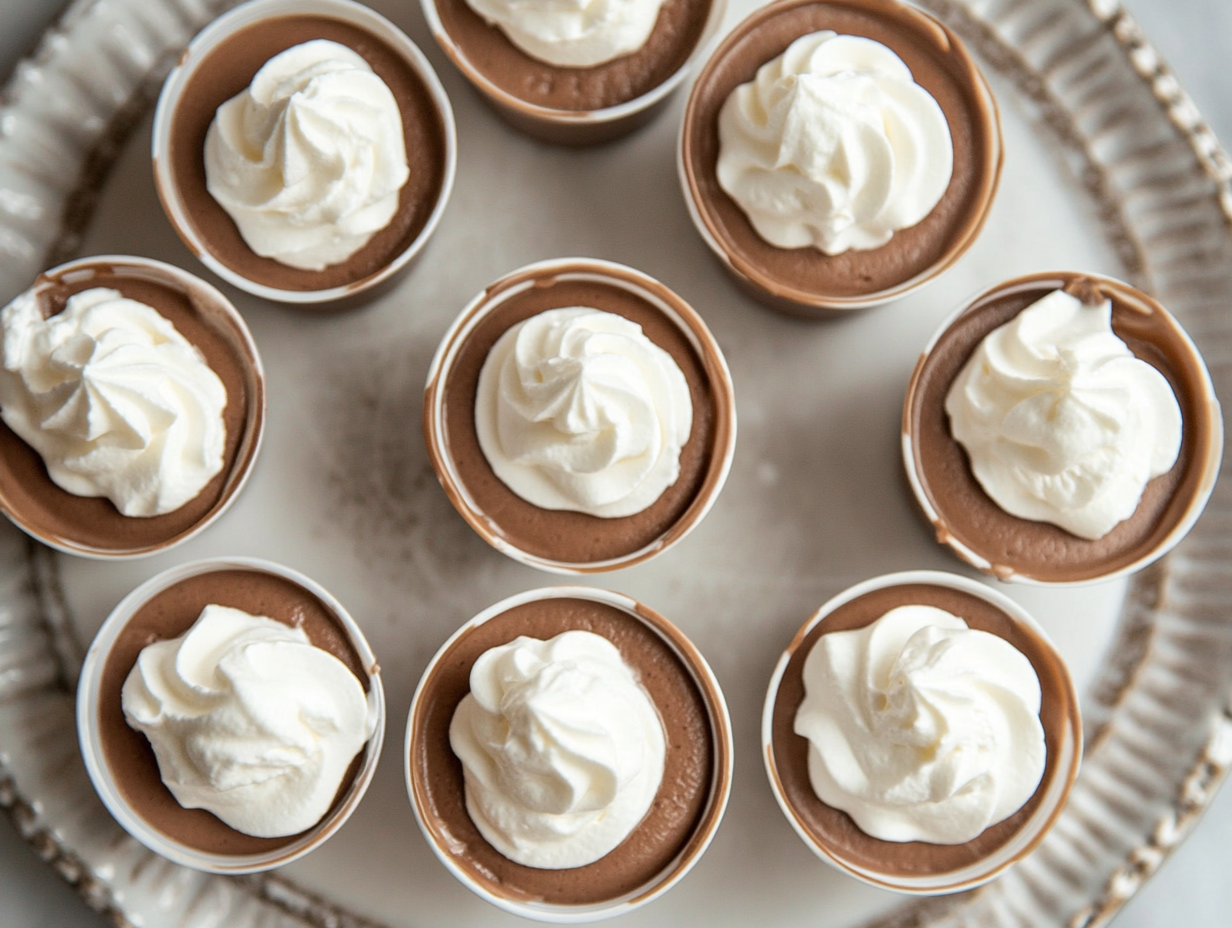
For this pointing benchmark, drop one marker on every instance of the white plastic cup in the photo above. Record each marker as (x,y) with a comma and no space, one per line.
(697,149)
(1063,767)
(703,678)
(214,311)
(675,309)
(575,127)
(92,751)
(214,35)
(1206,426)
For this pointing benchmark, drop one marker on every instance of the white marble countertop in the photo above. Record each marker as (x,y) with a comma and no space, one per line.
(1192,888)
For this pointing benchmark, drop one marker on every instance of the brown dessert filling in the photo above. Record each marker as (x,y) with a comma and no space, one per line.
(575,537)
(688,777)
(676,33)
(28,491)
(836,830)
(228,70)
(1039,549)
(170,614)
(943,70)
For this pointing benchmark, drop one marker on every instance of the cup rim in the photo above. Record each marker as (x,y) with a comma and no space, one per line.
(559,117)
(222,29)
(721,781)
(88,699)
(675,309)
(807,302)
(254,428)
(1034,829)
(1208,465)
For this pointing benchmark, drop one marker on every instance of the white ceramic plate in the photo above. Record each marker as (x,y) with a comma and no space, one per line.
(1108,168)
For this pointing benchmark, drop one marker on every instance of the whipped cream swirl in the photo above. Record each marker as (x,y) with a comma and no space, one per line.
(249,720)
(116,401)
(577,409)
(309,159)
(561,748)
(572,33)
(833,145)
(1060,421)
(921,728)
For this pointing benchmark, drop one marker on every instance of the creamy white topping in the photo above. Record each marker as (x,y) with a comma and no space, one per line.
(577,409)
(561,748)
(833,145)
(309,159)
(572,33)
(920,728)
(249,720)
(116,401)
(1060,421)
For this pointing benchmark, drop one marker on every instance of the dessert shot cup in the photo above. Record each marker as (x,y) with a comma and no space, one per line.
(216,66)
(434,778)
(98,682)
(806,281)
(509,523)
(91,526)
(830,833)
(967,520)
(554,124)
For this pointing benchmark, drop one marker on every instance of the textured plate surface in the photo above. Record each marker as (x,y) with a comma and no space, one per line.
(1108,168)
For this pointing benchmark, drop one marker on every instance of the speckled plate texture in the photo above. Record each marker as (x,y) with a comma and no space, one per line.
(1109,168)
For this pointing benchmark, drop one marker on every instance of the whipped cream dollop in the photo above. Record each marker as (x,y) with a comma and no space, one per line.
(577,409)
(833,146)
(562,750)
(1060,421)
(249,720)
(921,728)
(116,401)
(309,159)
(572,33)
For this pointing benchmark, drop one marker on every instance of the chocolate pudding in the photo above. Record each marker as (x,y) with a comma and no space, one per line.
(92,525)
(169,614)
(834,830)
(576,538)
(806,279)
(985,535)
(490,54)
(226,70)
(697,767)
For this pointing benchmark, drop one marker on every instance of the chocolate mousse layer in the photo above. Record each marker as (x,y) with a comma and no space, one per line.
(676,33)
(836,830)
(28,494)
(227,71)
(170,614)
(938,63)
(560,535)
(1040,550)
(686,796)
